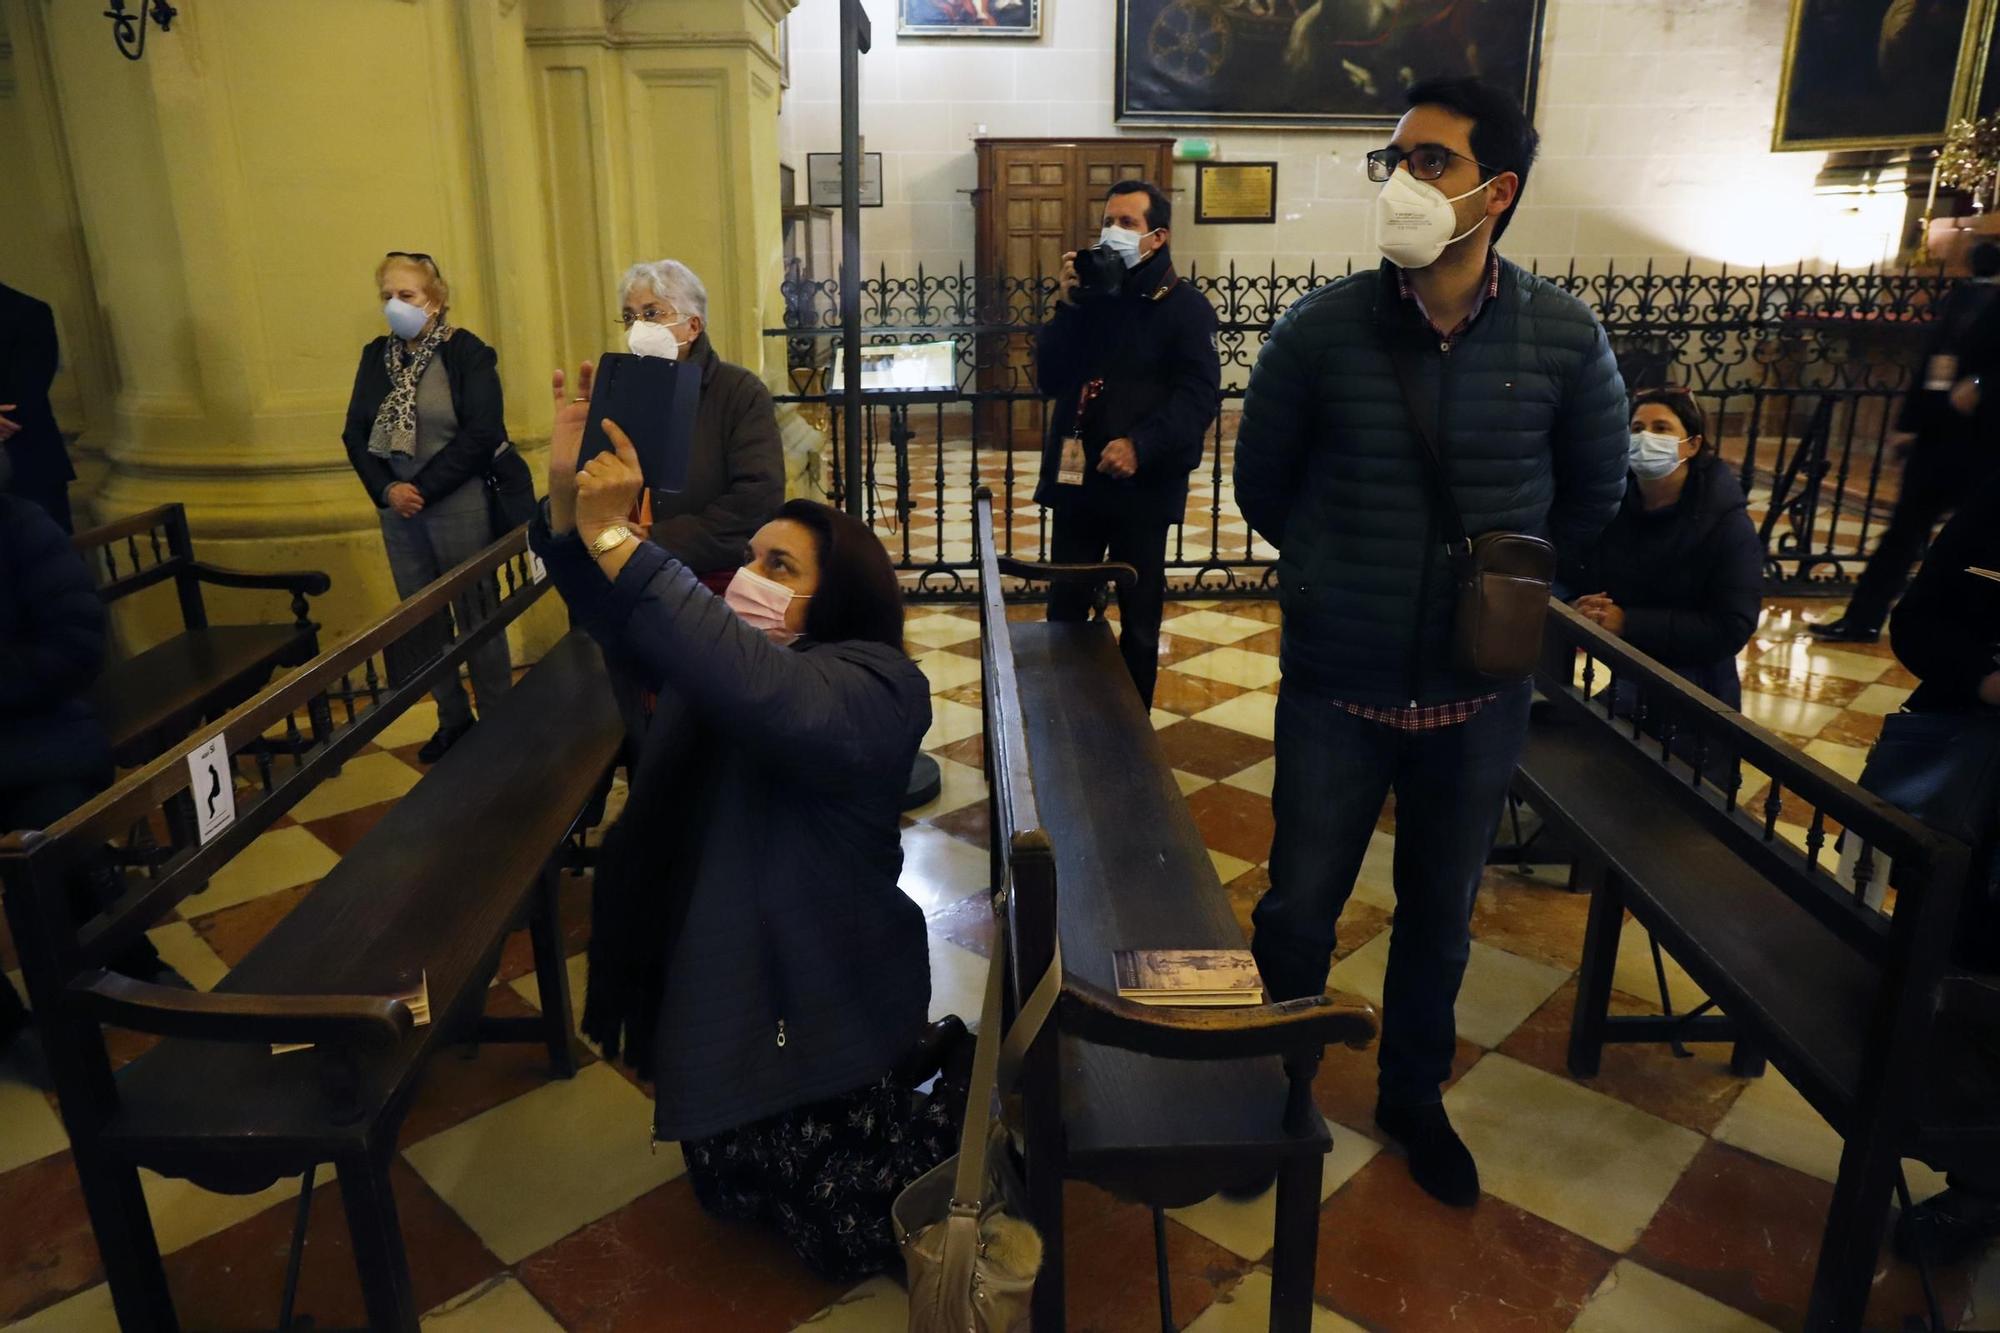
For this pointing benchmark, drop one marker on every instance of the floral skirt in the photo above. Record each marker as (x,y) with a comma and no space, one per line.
(826,1174)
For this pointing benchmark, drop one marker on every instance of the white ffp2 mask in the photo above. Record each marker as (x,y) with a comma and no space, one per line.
(646,338)
(1413,220)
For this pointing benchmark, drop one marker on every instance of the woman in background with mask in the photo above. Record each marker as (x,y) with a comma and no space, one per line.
(424,425)
(736,472)
(1679,574)
(751,952)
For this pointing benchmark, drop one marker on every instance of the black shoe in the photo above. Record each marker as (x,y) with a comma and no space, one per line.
(443,739)
(1844,630)
(940,1042)
(1949,1227)
(1439,1161)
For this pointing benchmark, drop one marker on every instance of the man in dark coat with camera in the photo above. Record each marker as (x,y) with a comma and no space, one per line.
(1130,359)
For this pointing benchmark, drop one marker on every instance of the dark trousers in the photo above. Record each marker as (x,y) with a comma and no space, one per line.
(1086,536)
(1334,769)
(1937,476)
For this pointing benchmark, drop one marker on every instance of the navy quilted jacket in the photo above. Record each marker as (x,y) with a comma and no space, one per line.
(1532,423)
(794,916)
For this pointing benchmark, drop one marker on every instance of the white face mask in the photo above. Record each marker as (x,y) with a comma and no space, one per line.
(1125,244)
(646,338)
(762,603)
(1655,454)
(406,321)
(1413,220)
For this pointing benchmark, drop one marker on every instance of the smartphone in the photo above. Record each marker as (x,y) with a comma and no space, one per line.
(654,401)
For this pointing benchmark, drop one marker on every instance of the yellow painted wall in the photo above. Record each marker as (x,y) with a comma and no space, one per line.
(206,223)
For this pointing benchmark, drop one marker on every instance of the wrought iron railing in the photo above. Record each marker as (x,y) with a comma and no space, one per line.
(1799,373)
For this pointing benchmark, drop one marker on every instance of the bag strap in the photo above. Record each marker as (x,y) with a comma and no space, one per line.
(996,1063)
(1423,423)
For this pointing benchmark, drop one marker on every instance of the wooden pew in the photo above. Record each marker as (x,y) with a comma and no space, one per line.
(1093,843)
(148,702)
(1860,1009)
(431,892)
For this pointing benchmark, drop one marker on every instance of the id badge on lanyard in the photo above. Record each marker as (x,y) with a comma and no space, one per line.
(1071,468)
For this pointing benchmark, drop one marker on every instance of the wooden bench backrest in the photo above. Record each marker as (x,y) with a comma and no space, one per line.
(345,698)
(142,550)
(1023,861)
(1907,938)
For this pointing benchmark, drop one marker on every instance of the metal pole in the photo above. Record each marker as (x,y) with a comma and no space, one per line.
(855,38)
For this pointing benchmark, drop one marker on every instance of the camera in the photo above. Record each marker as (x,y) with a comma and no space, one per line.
(1100,271)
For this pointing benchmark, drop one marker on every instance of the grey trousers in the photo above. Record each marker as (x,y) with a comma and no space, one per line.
(421,551)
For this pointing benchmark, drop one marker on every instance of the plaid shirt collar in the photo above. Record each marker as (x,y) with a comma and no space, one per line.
(1487,291)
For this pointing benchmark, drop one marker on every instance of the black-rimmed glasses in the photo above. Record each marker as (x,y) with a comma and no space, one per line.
(419,256)
(1428,161)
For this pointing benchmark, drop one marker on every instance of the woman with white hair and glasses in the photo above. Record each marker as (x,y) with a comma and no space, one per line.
(424,427)
(736,474)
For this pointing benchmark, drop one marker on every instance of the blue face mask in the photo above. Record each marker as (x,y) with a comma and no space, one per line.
(405,320)
(1125,244)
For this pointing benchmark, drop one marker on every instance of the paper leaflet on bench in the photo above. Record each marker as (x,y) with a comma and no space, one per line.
(1196,978)
(419,1001)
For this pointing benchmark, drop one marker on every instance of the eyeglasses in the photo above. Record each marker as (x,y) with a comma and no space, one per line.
(1428,161)
(419,256)
(651,314)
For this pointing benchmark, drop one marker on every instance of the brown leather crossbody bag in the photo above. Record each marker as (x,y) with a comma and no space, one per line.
(1501,579)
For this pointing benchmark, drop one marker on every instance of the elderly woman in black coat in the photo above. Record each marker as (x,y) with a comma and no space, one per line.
(424,427)
(751,950)
(1679,574)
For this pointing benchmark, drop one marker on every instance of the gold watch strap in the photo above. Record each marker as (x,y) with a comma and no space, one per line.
(609,540)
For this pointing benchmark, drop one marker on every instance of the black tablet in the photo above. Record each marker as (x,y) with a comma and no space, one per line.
(653,400)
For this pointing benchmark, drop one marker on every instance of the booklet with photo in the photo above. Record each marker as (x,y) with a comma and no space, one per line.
(1194,977)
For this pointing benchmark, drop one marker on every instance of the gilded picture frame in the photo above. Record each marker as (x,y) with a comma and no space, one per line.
(968,18)
(1297,64)
(1858,76)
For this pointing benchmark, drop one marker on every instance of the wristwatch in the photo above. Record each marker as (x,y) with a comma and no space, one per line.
(609,540)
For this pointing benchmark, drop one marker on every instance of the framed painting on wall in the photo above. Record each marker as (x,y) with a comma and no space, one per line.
(969,18)
(1338,64)
(1865,74)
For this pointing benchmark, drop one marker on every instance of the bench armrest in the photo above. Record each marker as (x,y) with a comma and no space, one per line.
(1291,1027)
(1121,576)
(306,583)
(168,1011)
(1974,998)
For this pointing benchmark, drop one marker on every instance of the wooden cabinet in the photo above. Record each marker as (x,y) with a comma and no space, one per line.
(1037,198)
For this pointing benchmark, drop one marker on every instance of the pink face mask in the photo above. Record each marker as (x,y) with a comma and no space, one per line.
(762,604)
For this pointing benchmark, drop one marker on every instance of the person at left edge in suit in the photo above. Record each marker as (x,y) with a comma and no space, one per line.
(28,430)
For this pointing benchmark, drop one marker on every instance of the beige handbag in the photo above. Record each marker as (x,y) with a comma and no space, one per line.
(971,1257)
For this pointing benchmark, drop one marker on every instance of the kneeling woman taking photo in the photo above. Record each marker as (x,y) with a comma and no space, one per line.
(751,951)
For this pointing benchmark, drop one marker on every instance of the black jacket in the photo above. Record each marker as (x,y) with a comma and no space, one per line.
(1946,630)
(1154,347)
(475,396)
(28,356)
(52,646)
(1533,426)
(1690,577)
(1967,328)
(736,472)
(793,914)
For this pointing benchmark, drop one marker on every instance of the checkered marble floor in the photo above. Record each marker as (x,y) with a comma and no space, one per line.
(1662,1195)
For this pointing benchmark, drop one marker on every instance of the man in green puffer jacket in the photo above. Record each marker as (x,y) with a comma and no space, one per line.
(1530,417)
